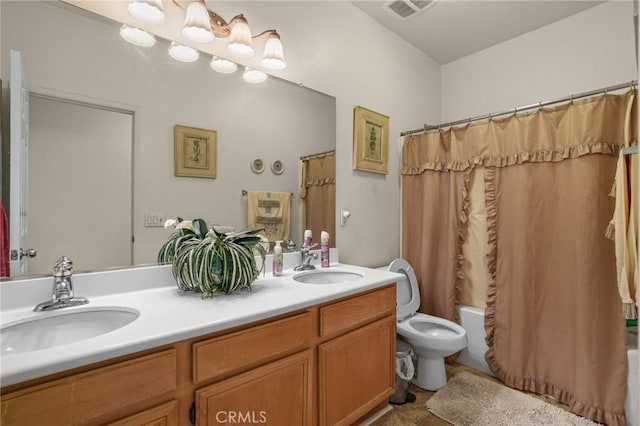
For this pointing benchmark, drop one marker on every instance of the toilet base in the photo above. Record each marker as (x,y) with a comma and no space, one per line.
(431,374)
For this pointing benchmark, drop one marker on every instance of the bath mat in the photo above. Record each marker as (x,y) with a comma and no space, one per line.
(472,400)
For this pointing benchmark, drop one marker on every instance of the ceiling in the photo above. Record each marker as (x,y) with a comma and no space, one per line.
(447,30)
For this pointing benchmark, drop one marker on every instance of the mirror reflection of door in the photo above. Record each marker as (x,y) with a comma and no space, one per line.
(80,152)
(318,194)
(19,157)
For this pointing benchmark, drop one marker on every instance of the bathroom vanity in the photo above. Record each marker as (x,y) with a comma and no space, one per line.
(285,353)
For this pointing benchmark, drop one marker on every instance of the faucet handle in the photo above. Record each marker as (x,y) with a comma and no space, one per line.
(63,267)
(307,248)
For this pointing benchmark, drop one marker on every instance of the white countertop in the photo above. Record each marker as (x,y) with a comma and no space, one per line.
(166,314)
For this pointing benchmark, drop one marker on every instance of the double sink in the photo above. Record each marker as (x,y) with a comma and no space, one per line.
(56,328)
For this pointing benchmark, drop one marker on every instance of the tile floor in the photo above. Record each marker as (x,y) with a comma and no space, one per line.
(414,414)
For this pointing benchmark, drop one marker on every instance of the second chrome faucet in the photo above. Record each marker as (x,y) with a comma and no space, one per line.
(307,256)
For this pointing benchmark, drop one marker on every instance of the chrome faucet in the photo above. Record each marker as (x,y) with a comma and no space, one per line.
(305,265)
(62,295)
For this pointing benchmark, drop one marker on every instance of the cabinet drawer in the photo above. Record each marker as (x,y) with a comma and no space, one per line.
(162,415)
(250,347)
(343,315)
(99,394)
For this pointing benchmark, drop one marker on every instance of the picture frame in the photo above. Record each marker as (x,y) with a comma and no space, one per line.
(370,141)
(195,152)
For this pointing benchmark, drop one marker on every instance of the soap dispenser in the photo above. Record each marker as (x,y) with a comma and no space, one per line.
(278,259)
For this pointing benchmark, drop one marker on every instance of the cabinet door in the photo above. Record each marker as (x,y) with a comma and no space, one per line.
(356,372)
(278,393)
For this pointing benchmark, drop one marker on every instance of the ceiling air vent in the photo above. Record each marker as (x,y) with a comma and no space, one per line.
(403,9)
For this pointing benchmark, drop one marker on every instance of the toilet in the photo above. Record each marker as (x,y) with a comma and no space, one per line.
(432,338)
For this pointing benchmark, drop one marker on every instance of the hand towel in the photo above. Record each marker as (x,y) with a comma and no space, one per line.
(270,211)
(622,228)
(4,243)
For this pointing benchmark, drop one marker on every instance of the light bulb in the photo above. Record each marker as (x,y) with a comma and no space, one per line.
(147,11)
(240,43)
(197,26)
(222,65)
(137,36)
(273,56)
(254,76)
(183,53)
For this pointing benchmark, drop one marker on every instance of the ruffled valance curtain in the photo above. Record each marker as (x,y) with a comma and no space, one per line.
(553,318)
(567,131)
(318,192)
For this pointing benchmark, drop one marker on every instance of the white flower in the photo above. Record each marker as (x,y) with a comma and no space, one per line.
(170,223)
(188,224)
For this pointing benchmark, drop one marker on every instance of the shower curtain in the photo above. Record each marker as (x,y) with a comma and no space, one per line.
(318,192)
(553,319)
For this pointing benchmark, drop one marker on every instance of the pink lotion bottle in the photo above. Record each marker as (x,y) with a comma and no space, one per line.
(324,249)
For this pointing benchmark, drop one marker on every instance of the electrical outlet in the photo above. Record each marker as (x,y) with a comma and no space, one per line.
(153,220)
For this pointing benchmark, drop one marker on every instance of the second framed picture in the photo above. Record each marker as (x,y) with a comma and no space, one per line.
(370,140)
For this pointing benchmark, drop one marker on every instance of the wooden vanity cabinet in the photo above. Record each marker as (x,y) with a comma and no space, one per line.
(330,364)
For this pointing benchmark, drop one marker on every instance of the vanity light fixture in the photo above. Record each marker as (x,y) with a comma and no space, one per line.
(137,36)
(203,25)
(251,75)
(147,11)
(183,53)
(222,65)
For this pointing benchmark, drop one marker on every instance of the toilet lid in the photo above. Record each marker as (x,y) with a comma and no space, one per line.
(408,295)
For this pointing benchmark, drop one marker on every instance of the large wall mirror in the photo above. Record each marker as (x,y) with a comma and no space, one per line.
(102,121)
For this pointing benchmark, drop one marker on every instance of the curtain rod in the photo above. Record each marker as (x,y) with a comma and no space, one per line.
(319,154)
(426,127)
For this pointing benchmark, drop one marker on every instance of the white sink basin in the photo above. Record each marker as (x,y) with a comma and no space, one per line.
(327,276)
(62,328)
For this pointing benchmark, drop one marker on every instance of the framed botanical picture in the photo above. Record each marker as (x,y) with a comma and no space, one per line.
(370,140)
(194,152)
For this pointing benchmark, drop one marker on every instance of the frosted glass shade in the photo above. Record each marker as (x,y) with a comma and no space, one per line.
(273,56)
(147,11)
(137,36)
(183,53)
(254,76)
(197,26)
(240,43)
(222,65)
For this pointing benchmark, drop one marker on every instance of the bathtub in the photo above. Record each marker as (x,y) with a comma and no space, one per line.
(472,320)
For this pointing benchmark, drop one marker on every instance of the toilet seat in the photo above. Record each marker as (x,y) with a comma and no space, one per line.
(426,327)
(408,294)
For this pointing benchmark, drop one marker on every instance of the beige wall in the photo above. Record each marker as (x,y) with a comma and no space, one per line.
(587,51)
